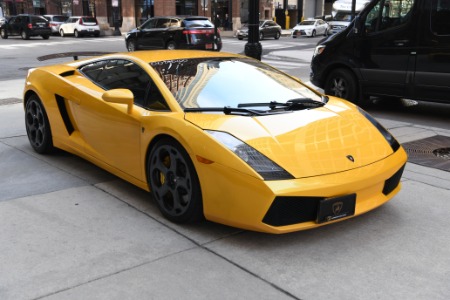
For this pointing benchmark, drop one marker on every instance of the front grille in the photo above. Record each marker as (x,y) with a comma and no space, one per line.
(292,210)
(392,183)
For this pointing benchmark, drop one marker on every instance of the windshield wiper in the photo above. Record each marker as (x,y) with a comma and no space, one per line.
(293,104)
(227,110)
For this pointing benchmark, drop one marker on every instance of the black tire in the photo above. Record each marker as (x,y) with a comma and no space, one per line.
(261,36)
(174,183)
(61,33)
(341,83)
(76,34)
(38,126)
(45,37)
(171,45)
(240,38)
(4,34)
(24,35)
(277,35)
(313,33)
(132,45)
(325,33)
(97,34)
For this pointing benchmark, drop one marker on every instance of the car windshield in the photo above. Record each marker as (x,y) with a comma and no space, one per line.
(306,23)
(59,18)
(89,20)
(228,82)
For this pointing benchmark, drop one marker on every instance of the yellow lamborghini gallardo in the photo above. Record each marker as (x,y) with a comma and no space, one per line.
(218,136)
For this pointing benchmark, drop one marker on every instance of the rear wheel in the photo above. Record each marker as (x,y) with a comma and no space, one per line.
(261,36)
(171,45)
(341,83)
(61,33)
(3,34)
(45,37)
(76,34)
(24,35)
(38,126)
(174,183)
(277,35)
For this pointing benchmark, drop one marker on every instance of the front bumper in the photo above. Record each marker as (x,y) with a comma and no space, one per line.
(246,202)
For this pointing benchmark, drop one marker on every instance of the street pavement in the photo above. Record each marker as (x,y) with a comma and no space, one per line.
(69,230)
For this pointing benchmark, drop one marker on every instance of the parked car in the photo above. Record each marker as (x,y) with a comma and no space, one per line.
(310,28)
(26,26)
(399,50)
(55,22)
(191,128)
(80,26)
(267,28)
(192,32)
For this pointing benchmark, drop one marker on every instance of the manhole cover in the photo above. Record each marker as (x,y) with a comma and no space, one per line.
(7,101)
(433,152)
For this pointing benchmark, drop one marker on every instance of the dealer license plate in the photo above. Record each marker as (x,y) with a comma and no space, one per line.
(331,209)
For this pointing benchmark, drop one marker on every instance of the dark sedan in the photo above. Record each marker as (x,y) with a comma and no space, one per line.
(193,32)
(267,29)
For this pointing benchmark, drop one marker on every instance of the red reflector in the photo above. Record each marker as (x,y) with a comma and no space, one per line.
(201,31)
(30,25)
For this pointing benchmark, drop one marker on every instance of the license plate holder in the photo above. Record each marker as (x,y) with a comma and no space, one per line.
(331,209)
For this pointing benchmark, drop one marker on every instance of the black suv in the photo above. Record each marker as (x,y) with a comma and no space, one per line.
(177,32)
(26,26)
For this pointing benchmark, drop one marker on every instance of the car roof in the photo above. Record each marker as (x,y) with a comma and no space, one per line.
(152,56)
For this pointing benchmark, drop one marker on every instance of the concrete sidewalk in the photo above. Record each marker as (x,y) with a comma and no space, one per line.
(69,230)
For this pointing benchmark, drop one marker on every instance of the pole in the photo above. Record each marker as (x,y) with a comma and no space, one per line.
(353,9)
(253,47)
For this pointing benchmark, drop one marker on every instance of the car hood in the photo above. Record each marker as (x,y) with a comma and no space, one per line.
(341,23)
(309,142)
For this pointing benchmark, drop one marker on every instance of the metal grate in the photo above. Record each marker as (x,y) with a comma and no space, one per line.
(433,152)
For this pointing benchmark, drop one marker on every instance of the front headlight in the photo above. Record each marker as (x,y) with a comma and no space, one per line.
(387,135)
(319,49)
(261,164)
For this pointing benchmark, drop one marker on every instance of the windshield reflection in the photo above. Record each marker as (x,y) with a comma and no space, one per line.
(220,82)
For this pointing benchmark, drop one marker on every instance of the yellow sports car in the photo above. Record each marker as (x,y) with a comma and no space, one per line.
(217,136)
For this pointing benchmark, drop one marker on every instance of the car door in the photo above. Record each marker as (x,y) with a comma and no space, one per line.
(386,46)
(111,134)
(16,25)
(69,27)
(153,32)
(431,80)
(321,27)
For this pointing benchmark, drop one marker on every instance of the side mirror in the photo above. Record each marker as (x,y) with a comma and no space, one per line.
(358,26)
(120,96)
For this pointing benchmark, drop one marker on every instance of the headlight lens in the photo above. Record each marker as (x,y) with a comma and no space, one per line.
(319,49)
(261,164)
(387,135)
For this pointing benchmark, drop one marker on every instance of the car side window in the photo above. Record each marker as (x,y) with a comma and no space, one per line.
(150,24)
(163,23)
(388,14)
(125,74)
(440,17)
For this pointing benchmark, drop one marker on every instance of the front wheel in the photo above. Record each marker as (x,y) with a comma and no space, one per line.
(38,126)
(3,34)
(174,183)
(61,33)
(132,45)
(313,34)
(341,83)
(261,36)
(45,36)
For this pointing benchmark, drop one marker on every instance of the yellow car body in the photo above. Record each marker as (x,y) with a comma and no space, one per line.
(332,152)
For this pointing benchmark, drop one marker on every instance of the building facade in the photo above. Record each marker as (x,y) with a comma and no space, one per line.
(131,13)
